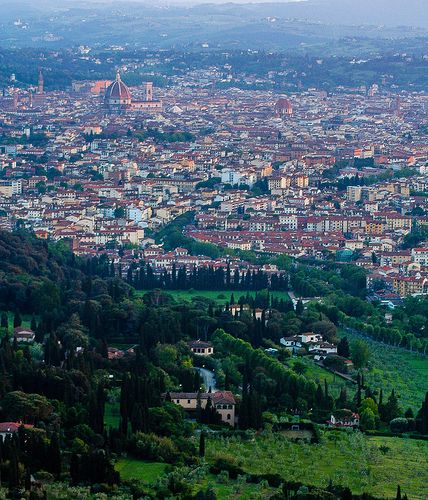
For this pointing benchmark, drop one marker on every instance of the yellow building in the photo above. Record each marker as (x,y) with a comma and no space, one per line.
(223,401)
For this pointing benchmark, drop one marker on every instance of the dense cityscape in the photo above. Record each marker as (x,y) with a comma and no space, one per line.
(213,270)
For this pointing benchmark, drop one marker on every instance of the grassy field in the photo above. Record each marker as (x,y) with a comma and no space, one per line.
(26,319)
(149,472)
(319,374)
(355,460)
(395,368)
(215,295)
(112,415)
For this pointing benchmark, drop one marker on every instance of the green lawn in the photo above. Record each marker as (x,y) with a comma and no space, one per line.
(112,415)
(352,460)
(149,472)
(26,320)
(395,368)
(221,297)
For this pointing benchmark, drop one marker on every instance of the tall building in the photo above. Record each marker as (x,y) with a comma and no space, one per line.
(41,83)
(149,91)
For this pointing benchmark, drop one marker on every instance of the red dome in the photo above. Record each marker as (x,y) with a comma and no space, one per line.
(283,104)
(283,107)
(118,90)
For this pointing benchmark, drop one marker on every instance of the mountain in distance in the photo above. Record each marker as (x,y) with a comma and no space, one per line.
(270,26)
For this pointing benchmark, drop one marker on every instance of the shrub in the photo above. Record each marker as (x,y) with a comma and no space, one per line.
(399,425)
(273,480)
(152,447)
(228,464)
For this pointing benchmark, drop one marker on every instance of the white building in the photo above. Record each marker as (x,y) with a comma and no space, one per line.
(229,176)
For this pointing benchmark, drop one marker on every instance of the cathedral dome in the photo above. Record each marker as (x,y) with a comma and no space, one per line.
(118,92)
(283,107)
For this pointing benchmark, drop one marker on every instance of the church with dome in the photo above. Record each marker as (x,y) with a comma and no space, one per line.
(118,99)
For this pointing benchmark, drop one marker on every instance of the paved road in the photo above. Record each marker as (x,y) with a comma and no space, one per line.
(208,377)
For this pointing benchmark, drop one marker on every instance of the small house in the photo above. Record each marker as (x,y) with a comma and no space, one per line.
(201,348)
(344,418)
(24,335)
(10,428)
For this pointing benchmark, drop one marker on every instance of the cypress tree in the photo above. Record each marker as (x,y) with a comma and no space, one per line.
(343,348)
(391,409)
(75,469)
(54,456)
(202,444)
(27,479)
(17,320)
(4,321)
(319,397)
(13,473)
(33,325)
(398,495)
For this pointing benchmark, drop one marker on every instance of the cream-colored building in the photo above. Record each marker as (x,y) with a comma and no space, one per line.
(223,401)
(201,348)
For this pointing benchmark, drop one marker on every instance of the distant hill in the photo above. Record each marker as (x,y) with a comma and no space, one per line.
(273,26)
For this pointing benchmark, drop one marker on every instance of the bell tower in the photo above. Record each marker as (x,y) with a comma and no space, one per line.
(149,91)
(41,83)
